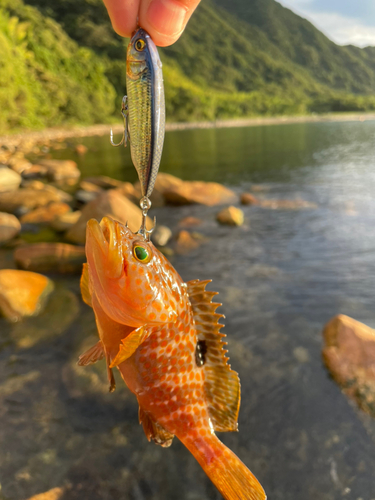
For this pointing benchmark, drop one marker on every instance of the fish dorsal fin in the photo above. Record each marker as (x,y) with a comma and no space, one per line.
(222,385)
(129,345)
(154,431)
(92,355)
(84,284)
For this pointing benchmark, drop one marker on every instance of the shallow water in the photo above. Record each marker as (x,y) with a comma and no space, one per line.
(281,277)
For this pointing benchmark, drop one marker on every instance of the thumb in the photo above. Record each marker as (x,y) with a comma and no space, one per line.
(165,20)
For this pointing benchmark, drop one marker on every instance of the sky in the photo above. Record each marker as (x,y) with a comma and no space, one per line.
(343,21)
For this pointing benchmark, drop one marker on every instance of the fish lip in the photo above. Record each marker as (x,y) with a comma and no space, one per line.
(107,245)
(94,230)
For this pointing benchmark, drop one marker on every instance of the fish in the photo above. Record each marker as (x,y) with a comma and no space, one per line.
(146,108)
(163,335)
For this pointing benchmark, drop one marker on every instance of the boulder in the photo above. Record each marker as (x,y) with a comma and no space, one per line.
(46,214)
(9,227)
(249,199)
(204,193)
(58,170)
(186,242)
(161,235)
(230,216)
(81,149)
(164,182)
(50,257)
(22,293)
(54,494)
(104,182)
(190,221)
(297,204)
(9,180)
(109,203)
(349,354)
(66,221)
(31,197)
(34,172)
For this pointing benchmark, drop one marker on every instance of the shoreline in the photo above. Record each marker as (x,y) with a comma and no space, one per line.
(58,134)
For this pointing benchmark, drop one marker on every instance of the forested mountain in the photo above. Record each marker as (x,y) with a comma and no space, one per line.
(62,62)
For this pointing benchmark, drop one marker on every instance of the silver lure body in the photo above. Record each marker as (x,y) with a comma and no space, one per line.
(146,108)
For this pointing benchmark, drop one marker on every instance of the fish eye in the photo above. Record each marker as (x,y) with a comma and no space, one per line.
(142,253)
(140,44)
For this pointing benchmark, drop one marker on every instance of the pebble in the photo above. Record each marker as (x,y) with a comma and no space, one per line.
(9,227)
(249,199)
(161,235)
(231,216)
(9,180)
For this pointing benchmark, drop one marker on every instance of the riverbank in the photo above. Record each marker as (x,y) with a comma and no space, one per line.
(57,134)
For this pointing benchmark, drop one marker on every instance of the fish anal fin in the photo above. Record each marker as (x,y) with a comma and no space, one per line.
(92,355)
(155,431)
(129,345)
(84,284)
(222,385)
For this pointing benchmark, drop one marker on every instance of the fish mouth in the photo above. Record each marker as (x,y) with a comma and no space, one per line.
(103,241)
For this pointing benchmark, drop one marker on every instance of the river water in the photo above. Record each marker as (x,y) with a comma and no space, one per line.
(281,277)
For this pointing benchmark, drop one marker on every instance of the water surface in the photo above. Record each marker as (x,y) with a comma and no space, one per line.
(281,277)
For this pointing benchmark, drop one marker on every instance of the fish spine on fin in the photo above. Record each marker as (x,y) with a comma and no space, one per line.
(222,385)
(85,286)
(92,355)
(154,431)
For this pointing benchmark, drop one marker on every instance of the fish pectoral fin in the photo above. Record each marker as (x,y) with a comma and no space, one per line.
(92,355)
(84,284)
(154,431)
(129,345)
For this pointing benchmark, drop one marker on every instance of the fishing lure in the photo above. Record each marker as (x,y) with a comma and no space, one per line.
(164,337)
(143,110)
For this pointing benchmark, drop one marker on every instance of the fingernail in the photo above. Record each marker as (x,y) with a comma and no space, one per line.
(167,16)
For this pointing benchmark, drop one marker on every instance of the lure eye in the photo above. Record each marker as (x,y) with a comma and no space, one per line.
(140,45)
(142,254)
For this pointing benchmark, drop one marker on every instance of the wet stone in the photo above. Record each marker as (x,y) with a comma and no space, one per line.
(349,354)
(249,199)
(43,215)
(9,180)
(22,293)
(161,235)
(9,227)
(230,216)
(50,257)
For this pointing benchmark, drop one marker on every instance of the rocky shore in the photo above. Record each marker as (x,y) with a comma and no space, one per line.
(45,205)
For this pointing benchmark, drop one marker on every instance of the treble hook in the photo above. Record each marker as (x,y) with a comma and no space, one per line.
(145,204)
(125,116)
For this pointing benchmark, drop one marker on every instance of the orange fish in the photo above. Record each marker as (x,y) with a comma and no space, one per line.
(164,337)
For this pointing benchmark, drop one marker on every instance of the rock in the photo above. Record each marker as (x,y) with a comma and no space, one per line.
(287,204)
(166,182)
(54,494)
(110,203)
(9,227)
(90,187)
(190,222)
(20,165)
(34,172)
(29,198)
(58,170)
(349,354)
(65,221)
(104,182)
(9,180)
(186,242)
(127,189)
(50,257)
(85,196)
(22,293)
(46,214)
(249,199)
(80,149)
(161,235)
(204,193)
(230,216)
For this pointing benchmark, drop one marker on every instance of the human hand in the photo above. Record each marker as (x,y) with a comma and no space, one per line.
(164,20)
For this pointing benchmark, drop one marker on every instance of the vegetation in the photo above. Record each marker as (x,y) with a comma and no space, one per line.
(61,62)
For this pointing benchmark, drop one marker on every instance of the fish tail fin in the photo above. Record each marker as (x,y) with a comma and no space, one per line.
(230,476)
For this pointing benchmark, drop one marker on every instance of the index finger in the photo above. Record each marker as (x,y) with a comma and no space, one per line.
(123,14)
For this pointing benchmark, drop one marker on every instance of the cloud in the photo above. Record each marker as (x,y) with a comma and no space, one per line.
(335,19)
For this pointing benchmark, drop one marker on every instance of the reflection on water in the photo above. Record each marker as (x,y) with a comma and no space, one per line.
(281,277)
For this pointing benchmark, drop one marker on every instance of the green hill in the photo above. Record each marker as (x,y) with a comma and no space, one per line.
(63,63)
